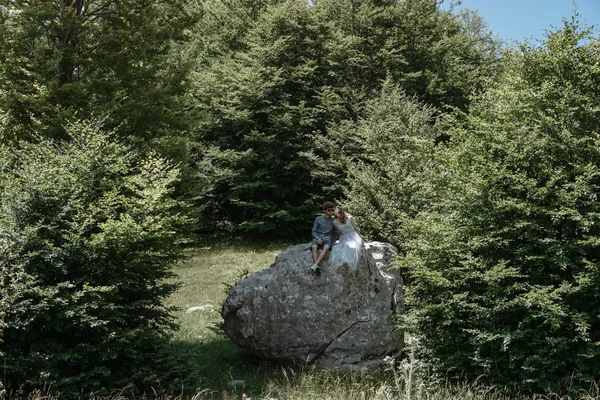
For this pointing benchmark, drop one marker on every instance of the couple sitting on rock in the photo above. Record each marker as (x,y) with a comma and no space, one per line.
(327,227)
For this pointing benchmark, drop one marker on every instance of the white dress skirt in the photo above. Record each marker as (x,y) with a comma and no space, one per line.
(347,251)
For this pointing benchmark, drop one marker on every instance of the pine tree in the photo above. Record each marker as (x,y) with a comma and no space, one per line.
(88,233)
(503,265)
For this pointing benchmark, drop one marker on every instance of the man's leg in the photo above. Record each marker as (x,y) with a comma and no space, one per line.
(315,267)
(323,254)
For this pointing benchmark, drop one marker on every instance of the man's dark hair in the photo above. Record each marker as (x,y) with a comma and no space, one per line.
(327,205)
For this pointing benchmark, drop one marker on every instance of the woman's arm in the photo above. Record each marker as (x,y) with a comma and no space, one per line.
(356,229)
(351,218)
(337,229)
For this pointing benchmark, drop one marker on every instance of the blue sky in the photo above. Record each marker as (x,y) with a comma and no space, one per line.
(528,19)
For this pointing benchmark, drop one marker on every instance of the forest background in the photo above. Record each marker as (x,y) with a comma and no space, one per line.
(128,127)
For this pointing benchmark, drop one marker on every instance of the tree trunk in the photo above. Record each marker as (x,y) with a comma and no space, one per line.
(70,14)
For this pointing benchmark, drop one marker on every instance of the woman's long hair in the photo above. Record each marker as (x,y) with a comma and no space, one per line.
(343,217)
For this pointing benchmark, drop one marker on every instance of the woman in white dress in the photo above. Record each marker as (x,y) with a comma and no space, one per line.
(346,253)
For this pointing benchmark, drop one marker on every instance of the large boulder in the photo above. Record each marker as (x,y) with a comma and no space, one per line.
(336,319)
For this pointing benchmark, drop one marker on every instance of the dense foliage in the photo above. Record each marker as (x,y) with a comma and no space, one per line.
(503,262)
(84,58)
(483,170)
(392,153)
(88,233)
(272,86)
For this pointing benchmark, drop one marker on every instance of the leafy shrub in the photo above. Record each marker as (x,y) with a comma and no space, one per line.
(395,141)
(504,265)
(88,232)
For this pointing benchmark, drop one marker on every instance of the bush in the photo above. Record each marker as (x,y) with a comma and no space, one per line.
(504,266)
(394,145)
(88,232)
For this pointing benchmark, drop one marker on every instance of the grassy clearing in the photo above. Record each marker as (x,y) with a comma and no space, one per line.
(212,361)
(210,358)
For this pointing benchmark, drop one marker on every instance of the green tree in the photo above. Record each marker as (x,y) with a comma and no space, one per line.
(222,28)
(504,265)
(392,149)
(68,59)
(441,57)
(88,233)
(260,108)
(268,103)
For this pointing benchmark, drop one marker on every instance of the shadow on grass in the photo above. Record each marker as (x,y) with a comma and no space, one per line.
(248,242)
(213,364)
(209,367)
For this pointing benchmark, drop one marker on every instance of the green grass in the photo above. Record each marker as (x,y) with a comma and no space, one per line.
(211,361)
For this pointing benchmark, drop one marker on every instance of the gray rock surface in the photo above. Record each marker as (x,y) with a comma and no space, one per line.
(336,319)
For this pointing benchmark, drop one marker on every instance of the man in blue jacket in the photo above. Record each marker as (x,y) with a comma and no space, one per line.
(324,235)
